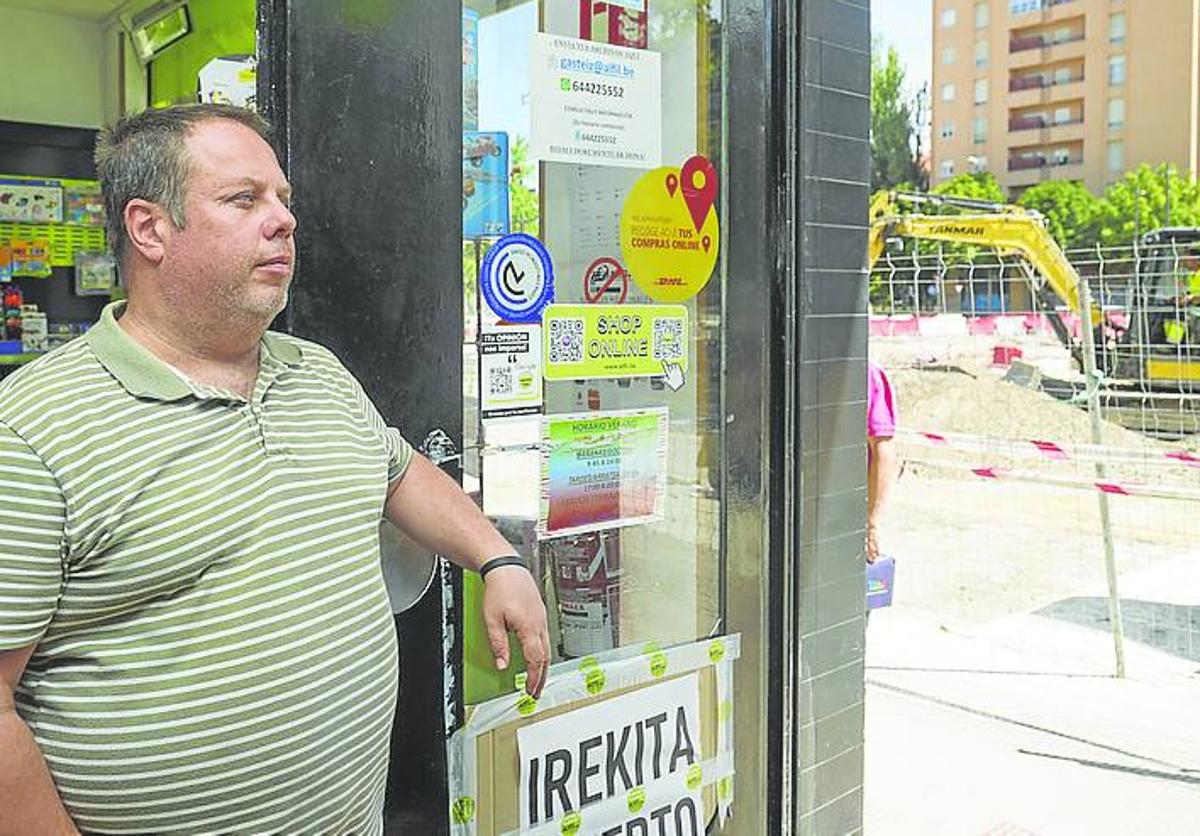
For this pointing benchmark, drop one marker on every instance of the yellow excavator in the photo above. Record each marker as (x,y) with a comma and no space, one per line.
(1132,350)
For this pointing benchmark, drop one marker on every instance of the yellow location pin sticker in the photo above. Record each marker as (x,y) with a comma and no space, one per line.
(669,231)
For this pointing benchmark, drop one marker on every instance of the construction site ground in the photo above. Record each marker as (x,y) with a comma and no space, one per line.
(991,703)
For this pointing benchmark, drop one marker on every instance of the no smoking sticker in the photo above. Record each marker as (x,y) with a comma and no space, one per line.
(669,231)
(605,282)
(517,278)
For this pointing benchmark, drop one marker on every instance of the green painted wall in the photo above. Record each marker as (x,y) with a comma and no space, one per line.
(219,27)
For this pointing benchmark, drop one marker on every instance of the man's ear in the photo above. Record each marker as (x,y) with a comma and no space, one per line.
(148,227)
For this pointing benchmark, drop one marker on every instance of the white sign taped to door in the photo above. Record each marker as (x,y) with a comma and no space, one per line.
(594,103)
(633,746)
(510,370)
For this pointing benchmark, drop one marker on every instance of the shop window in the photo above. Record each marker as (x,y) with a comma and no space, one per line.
(948,92)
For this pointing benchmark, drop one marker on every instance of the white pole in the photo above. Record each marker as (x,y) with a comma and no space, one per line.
(1092,382)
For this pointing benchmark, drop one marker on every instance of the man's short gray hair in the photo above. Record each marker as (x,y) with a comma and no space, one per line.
(145,156)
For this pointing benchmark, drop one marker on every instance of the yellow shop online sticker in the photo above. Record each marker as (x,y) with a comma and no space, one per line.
(584,341)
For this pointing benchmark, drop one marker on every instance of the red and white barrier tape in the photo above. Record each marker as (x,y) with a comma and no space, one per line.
(1052,451)
(1117,488)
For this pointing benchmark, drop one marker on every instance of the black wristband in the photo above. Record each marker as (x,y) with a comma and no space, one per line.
(502,560)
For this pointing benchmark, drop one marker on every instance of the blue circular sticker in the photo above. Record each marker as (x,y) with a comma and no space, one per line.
(517,278)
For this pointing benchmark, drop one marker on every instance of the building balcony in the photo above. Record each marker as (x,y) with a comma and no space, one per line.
(1022,178)
(1065,91)
(1019,84)
(1056,131)
(1071,49)
(1060,10)
(1032,82)
(1028,171)
(1071,170)
(1024,43)
(1025,163)
(1069,130)
(1030,8)
(1026,123)
(1040,162)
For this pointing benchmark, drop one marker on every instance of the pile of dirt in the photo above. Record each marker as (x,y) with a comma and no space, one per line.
(980,403)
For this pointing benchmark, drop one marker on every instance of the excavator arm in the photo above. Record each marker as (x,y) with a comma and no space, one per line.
(1009,229)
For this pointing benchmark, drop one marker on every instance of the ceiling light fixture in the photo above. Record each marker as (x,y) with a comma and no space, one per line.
(153,30)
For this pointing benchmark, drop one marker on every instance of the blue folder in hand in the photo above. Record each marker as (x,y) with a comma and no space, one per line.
(881,577)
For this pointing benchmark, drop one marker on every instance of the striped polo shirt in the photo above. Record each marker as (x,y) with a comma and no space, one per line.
(201,576)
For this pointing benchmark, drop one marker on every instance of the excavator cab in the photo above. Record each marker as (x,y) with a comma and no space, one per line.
(1163,347)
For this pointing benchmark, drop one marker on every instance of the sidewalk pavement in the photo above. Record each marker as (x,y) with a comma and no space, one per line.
(1018,727)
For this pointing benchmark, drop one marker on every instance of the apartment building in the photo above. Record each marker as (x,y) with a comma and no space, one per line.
(1082,90)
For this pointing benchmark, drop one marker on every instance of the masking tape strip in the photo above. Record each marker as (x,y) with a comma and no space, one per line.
(570,682)
(655,795)
(725,734)
(582,679)
(463,779)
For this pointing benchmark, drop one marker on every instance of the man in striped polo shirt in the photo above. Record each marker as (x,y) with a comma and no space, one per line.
(194,630)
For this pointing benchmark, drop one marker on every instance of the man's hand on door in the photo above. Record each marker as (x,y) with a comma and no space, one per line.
(512,604)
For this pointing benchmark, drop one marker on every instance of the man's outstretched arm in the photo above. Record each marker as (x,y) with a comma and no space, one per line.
(431,508)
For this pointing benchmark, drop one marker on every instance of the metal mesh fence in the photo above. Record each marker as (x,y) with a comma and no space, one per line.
(997,518)
(967,303)
(1037,510)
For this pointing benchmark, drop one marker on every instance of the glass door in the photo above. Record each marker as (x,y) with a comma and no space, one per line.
(593,198)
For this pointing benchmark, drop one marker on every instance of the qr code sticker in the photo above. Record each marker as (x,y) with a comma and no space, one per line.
(668,338)
(566,340)
(500,381)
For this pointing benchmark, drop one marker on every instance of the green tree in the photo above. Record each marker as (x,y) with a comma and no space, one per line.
(1138,203)
(895,125)
(523,200)
(975,186)
(1071,211)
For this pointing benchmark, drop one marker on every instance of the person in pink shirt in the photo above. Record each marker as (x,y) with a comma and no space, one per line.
(881,452)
